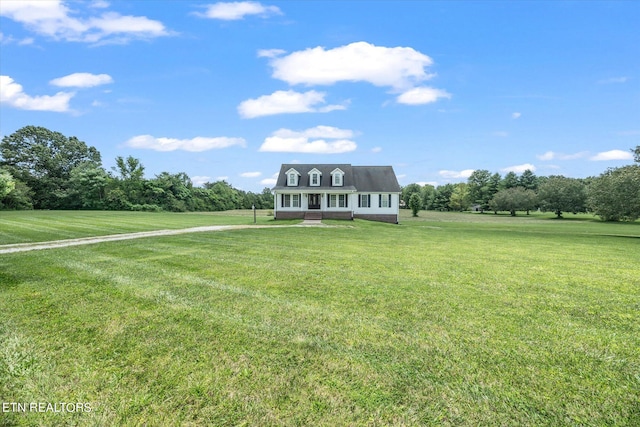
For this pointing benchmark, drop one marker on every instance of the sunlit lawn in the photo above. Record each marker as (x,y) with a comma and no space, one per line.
(39,226)
(447,319)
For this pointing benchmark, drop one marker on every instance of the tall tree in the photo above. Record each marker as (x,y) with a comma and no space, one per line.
(615,195)
(510,180)
(408,190)
(427,192)
(480,188)
(443,197)
(528,180)
(415,203)
(459,199)
(130,177)
(513,199)
(87,186)
(43,159)
(560,194)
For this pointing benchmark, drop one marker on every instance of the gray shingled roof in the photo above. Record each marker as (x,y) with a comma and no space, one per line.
(356,178)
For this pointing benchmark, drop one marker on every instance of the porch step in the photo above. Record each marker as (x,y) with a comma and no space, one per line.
(313,215)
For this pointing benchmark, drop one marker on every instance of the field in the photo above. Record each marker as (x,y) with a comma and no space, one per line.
(446,319)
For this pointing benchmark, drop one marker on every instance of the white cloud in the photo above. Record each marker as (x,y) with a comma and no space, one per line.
(233,11)
(552,155)
(455,174)
(270,53)
(9,40)
(99,4)
(281,102)
(55,20)
(11,93)
(82,80)
(422,95)
(519,168)
(613,80)
(400,68)
(612,155)
(317,140)
(250,174)
(376,149)
(196,144)
(199,180)
(269,181)
(516,115)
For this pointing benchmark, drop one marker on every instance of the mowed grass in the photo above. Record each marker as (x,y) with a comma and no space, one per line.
(42,226)
(447,319)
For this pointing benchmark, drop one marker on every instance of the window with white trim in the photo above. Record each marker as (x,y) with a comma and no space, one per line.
(364,201)
(338,201)
(293,179)
(290,200)
(384,201)
(315,179)
(337,179)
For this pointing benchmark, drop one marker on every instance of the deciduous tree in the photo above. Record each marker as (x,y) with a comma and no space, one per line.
(43,160)
(415,203)
(560,194)
(615,195)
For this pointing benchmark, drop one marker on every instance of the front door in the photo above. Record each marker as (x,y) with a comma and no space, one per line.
(314,201)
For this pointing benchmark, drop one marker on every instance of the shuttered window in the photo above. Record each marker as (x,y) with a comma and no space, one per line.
(364,201)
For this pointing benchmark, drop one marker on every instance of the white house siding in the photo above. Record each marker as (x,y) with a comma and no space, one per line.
(375,209)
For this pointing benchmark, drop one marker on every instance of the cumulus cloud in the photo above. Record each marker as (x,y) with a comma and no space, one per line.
(552,155)
(270,181)
(281,102)
(54,19)
(200,180)
(233,11)
(317,140)
(82,80)
(12,94)
(612,155)
(519,168)
(400,68)
(196,144)
(456,174)
(422,95)
(250,174)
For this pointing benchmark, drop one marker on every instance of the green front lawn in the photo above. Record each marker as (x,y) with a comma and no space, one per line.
(447,319)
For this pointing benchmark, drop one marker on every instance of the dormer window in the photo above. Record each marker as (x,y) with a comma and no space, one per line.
(337,178)
(314,177)
(292,178)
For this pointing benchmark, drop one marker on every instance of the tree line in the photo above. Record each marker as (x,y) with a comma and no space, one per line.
(43,169)
(614,195)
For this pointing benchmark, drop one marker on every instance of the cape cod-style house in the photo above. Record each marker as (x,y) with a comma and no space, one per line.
(337,191)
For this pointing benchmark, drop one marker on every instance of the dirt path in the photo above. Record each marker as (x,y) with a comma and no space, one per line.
(24,247)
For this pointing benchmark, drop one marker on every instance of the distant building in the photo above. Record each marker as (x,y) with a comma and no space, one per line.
(337,191)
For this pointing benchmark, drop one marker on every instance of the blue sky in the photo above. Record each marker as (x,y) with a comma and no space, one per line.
(232,90)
